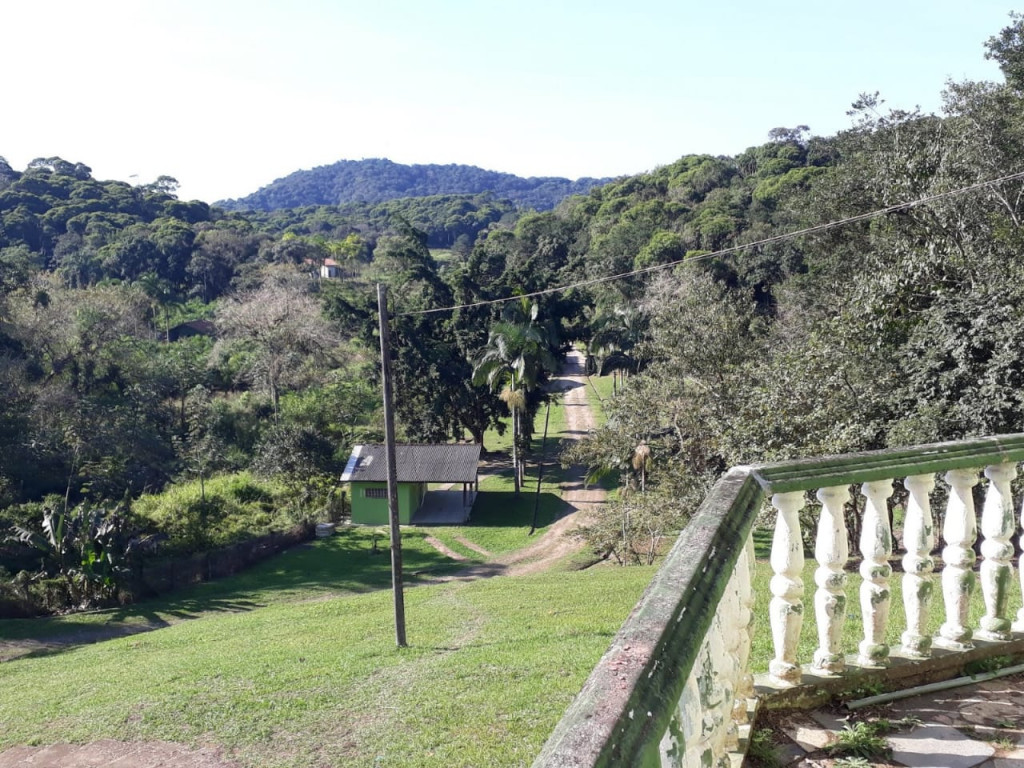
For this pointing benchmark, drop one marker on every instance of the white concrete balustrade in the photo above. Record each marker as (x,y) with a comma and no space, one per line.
(958,577)
(676,686)
(714,700)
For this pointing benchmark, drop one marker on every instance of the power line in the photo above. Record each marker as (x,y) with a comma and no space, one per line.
(732,249)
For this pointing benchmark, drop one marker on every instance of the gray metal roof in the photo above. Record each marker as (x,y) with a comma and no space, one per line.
(415,463)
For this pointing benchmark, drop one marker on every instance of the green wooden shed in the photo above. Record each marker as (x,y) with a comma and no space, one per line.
(417,466)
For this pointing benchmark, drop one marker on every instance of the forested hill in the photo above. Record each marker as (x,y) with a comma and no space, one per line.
(377,180)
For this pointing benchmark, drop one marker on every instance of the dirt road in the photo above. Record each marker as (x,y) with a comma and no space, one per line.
(558,542)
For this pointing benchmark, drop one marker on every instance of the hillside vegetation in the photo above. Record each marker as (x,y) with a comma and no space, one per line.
(379,179)
(730,340)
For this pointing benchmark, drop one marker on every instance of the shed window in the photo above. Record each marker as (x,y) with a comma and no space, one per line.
(375,493)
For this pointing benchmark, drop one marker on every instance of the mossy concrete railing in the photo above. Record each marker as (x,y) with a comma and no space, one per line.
(675,688)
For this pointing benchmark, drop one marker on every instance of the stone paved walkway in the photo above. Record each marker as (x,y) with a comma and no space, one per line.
(976,725)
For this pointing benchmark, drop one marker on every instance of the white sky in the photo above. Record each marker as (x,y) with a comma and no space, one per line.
(227,96)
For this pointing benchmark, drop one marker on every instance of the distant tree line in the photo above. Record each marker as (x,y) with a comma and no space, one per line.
(378,180)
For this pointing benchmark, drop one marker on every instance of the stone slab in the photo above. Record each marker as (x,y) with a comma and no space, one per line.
(999,713)
(828,720)
(806,732)
(809,739)
(938,746)
(789,753)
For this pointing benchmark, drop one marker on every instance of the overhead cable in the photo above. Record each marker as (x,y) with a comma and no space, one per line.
(732,249)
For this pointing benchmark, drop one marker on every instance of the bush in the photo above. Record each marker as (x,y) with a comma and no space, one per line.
(15,602)
(51,595)
(236,507)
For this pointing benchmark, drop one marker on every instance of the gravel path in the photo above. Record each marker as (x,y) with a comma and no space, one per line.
(558,541)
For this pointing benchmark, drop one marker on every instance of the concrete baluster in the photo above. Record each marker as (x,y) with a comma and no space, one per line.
(918,539)
(831,550)
(959,532)
(996,572)
(875,548)
(787,587)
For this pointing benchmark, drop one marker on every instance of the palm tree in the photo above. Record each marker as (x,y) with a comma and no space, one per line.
(513,360)
(616,339)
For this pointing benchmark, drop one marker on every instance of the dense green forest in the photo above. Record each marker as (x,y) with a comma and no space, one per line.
(378,180)
(148,343)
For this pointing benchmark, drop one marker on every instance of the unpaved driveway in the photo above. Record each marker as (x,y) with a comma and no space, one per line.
(136,754)
(558,541)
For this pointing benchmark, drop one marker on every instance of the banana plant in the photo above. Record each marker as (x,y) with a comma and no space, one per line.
(84,546)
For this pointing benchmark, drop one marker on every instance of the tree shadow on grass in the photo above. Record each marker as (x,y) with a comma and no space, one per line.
(346,563)
(501,509)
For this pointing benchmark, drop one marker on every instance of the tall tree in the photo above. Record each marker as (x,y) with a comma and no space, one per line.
(513,361)
(278,328)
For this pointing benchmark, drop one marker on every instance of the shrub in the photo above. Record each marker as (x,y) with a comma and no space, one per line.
(236,507)
(51,595)
(863,739)
(15,602)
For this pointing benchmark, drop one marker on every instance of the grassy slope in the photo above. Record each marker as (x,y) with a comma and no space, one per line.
(293,662)
(490,667)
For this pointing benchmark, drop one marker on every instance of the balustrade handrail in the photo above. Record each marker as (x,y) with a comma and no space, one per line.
(868,466)
(626,704)
(629,710)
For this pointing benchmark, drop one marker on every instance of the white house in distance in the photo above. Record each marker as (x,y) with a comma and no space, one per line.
(330,269)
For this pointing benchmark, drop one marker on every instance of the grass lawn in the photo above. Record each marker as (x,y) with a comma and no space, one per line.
(490,668)
(342,564)
(501,522)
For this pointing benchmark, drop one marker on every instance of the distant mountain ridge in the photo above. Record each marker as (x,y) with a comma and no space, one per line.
(377,180)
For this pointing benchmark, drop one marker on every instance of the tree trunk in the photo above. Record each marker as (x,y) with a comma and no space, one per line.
(515,448)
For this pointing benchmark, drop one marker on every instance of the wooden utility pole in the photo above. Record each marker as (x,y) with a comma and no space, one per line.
(389,450)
